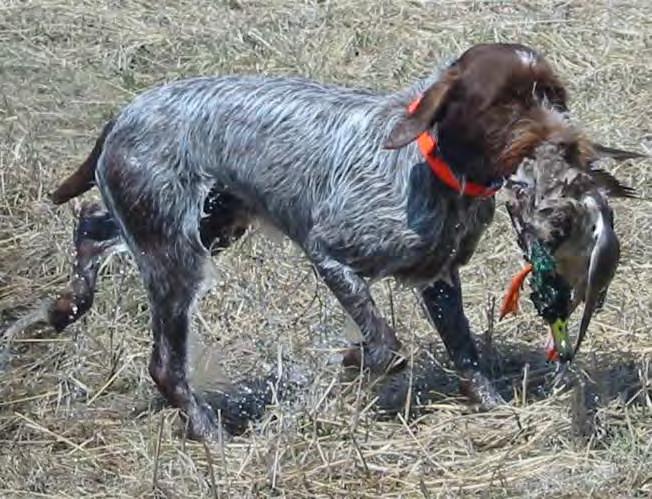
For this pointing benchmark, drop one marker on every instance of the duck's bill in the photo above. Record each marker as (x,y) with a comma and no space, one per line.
(558,346)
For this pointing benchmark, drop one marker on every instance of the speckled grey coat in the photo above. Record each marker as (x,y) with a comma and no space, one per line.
(187,166)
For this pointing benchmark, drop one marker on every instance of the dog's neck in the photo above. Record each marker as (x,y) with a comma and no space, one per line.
(456,163)
(445,174)
(466,158)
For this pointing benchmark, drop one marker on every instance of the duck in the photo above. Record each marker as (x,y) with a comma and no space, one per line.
(564,225)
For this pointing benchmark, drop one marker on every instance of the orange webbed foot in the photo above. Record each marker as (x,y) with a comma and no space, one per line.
(513,293)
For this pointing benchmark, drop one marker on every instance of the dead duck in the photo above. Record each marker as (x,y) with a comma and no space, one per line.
(558,205)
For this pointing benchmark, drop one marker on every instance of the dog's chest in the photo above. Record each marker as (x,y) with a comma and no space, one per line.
(413,229)
(446,240)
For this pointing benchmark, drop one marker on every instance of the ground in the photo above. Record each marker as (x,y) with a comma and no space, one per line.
(75,414)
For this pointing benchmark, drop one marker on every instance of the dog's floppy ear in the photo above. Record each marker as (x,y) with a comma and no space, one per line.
(423,117)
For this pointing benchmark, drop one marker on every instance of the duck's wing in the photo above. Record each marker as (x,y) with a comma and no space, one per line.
(617,154)
(610,184)
(521,227)
(520,208)
(602,265)
(542,211)
(555,219)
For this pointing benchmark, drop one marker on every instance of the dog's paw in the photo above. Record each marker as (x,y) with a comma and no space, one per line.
(477,387)
(379,360)
(201,421)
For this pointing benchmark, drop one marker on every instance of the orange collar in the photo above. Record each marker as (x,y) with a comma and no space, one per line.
(428,147)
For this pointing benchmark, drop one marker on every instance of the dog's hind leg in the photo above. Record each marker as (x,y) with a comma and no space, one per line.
(165,240)
(96,234)
(174,269)
(175,278)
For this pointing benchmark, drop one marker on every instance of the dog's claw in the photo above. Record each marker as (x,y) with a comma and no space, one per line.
(202,423)
(477,387)
(379,360)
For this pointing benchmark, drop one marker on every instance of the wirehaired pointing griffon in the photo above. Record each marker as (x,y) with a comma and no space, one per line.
(369,185)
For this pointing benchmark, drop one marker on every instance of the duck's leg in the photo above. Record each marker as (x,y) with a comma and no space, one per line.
(513,293)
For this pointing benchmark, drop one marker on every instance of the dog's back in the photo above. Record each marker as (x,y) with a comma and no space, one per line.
(290,148)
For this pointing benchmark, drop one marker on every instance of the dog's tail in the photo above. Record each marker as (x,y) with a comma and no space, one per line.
(83,178)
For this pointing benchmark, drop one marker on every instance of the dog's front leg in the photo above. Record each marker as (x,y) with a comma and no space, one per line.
(380,347)
(443,303)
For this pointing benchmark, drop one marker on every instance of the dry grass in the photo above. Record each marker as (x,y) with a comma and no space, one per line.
(67,424)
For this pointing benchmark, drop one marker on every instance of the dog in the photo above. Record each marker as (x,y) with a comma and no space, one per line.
(368,185)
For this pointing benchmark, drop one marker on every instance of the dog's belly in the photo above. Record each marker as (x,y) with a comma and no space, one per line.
(429,267)
(415,250)
(411,258)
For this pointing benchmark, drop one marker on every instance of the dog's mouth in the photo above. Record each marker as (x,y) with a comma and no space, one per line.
(499,182)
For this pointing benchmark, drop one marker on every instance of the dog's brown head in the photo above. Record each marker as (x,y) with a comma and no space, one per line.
(491,109)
